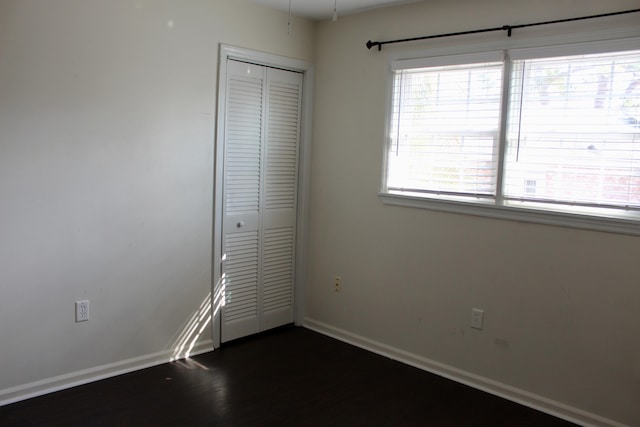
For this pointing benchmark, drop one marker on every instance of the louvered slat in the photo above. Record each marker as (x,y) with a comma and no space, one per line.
(241,275)
(282,148)
(243,145)
(278,257)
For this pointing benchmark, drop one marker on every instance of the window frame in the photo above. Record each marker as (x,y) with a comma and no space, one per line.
(591,218)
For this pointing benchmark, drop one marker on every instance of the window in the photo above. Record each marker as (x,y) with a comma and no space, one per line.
(573,130)
(445,129)
(547,130)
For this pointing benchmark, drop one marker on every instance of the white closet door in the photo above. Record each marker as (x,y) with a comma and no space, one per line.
(244,130)
(284,94)
(263,109)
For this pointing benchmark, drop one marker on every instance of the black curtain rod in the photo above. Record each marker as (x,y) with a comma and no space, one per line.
(507,28)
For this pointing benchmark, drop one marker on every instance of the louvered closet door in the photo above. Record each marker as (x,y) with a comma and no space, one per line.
(244,130)
(259,201)
(284,92)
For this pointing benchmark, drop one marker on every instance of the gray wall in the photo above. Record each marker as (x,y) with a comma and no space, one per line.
(561,305)
(107,114)
(107,120)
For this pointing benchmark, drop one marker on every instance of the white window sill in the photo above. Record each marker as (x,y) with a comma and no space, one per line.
(599,219)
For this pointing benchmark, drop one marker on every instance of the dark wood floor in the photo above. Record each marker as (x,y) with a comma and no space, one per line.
(291,377)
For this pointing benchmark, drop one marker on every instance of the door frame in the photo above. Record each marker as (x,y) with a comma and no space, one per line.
(302,214)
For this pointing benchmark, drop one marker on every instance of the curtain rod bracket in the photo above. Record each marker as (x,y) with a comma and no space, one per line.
(508,29)
(371,44)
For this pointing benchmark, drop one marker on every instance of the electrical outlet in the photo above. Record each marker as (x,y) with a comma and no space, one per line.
(477,317)
(338,284)
(82,311)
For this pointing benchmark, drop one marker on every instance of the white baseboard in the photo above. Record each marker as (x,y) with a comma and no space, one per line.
(496,388)
(85,376)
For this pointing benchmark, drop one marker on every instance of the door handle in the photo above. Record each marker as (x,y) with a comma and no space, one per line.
(240,224)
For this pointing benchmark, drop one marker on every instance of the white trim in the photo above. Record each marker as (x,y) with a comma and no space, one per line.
(514,394)
(437,61)
(587,48)
(304,178)
(524,212)
(262,58)
(270,60)
(85,376)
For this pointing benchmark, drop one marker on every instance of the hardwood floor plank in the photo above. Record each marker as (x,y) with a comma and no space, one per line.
(290,377)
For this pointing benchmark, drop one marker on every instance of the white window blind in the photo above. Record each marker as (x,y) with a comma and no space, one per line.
(573,134)
(445,129)
(543,134)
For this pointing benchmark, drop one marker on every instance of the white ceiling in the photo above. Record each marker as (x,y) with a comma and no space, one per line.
(323,9)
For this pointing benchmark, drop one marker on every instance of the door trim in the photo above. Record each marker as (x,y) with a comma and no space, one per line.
(302,215)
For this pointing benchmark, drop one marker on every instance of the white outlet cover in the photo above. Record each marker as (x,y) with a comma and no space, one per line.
(82,311)
(477,318)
